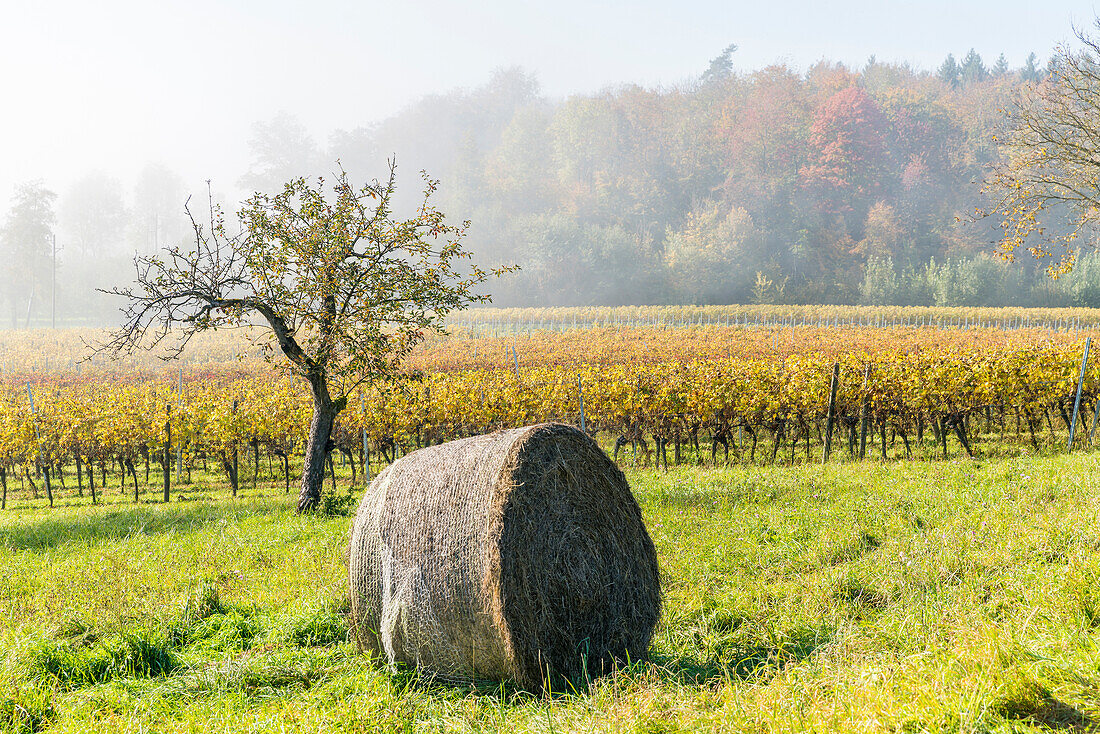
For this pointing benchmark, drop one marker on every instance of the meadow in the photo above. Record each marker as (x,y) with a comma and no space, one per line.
(923,596)
(940,593)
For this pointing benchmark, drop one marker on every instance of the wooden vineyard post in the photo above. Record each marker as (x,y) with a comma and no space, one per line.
(580,400)
(830,414)
(235,466)
(1077,399)
(864,413)
(167,450)
(91,479)
(1095,418)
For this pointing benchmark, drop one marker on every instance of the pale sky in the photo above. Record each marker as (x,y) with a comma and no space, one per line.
(114,84)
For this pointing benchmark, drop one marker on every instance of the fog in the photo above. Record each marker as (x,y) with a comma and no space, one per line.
(592,144)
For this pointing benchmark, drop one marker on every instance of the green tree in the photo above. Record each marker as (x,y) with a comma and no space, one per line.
(978,281)
(972,70)
(26,243)
(721,66)
(1031,71)
(711,256)
(340,288)
(880,282)
(519,171)
(1084,283)
(949,71)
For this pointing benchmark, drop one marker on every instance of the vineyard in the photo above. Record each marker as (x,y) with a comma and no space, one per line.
(609,345)
(622,333)
(508,320)
(701,394)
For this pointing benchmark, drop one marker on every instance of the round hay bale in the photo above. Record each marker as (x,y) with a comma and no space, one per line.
(504,556)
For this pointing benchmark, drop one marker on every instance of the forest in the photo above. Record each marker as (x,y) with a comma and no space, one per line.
(832,185)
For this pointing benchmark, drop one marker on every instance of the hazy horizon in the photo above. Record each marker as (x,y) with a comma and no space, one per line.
(119,85)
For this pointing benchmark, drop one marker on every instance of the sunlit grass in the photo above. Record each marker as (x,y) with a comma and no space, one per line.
(943,596)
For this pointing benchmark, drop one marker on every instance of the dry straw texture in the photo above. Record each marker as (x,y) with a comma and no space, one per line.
(504,556)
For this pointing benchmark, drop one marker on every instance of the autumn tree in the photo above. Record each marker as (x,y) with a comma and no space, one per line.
(882,232)
(1046,189)
(762,133)
(339,287)
(848,157)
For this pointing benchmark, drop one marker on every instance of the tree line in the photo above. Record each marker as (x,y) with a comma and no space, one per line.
(832,185)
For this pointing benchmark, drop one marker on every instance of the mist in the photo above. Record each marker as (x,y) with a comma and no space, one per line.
(616,158)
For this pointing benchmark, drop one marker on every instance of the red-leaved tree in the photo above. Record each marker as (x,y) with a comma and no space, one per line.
(848,160)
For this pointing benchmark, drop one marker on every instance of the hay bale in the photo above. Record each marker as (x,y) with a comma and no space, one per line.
(504,555)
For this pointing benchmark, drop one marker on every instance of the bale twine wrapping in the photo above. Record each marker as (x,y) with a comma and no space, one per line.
(504,556)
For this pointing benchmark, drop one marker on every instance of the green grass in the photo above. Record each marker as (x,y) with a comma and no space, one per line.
(939,596)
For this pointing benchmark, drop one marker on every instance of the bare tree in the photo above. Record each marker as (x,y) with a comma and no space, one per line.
(340,289)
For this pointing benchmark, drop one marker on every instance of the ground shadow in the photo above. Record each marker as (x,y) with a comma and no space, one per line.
(1059,715)
(749,656)
(117,524)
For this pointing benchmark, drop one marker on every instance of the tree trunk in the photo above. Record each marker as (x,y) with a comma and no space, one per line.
(317,449)
(229,463)
(167,454)
(351,461)
(286,470)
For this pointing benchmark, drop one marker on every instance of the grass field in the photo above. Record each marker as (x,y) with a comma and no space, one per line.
(939,596)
